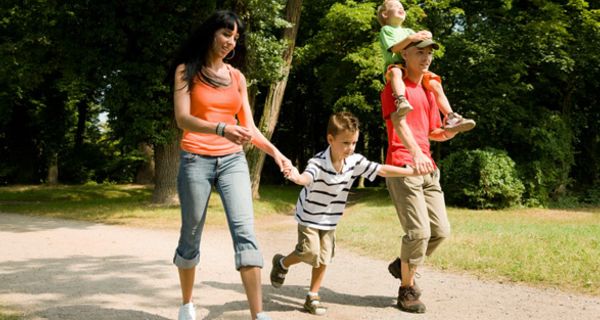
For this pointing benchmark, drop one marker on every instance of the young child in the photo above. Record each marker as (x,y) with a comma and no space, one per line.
(393,39)
(327,180)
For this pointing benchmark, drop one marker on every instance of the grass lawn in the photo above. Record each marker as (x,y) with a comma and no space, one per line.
(544,247)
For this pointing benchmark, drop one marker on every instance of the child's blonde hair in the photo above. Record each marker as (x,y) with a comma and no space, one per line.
(381,9)
(342,121)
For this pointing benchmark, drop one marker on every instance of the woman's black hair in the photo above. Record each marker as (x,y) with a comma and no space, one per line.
(194,50)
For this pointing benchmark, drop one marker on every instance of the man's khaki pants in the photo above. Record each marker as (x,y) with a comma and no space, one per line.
(420,205)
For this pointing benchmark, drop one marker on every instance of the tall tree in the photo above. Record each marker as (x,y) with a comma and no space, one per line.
(274,98)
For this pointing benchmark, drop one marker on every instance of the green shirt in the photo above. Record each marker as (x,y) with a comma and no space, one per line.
(388,37)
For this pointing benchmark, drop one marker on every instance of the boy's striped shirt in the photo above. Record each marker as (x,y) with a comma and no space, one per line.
(321,203)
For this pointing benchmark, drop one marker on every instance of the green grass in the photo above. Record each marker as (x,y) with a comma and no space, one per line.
(125,204)
(551,248)
(8,314)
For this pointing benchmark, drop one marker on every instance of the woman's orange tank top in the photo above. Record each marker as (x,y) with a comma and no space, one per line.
(214,105)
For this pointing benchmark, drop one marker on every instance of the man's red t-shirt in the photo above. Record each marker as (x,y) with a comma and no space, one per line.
(424,118)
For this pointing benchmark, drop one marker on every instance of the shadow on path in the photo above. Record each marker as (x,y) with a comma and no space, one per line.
(291,298)
(89,312)
(84,278)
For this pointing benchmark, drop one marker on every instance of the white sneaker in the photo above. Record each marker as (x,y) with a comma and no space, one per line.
(262,316)
(187,312)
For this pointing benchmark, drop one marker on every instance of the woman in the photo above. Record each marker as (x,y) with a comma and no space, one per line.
(212,109)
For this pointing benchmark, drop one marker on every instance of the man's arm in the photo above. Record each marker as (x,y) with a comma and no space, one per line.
(440,135)
(421,162)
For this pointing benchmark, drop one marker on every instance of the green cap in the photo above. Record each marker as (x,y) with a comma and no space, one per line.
(424,44)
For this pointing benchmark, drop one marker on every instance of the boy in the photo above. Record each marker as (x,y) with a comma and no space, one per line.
(393,39)
(327,180)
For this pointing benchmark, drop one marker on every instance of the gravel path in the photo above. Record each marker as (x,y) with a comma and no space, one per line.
(62,269)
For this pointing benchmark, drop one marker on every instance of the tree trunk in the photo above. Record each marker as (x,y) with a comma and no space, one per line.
(256,158)
(52,178)
(145,172)
(166,158)
(82,115)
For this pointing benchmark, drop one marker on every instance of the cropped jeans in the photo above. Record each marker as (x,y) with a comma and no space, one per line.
(230,176)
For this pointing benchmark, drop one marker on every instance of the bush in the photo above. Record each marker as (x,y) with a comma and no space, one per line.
(545,161)
(482,179)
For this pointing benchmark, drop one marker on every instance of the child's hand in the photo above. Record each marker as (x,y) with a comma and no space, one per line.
(292,174)
(422,35)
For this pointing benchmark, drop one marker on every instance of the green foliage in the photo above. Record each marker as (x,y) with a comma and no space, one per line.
(482,179)
(550,146)
(264,23)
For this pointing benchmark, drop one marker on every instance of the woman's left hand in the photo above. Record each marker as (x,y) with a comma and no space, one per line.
(284,163)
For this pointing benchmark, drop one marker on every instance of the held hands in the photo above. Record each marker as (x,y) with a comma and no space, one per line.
(285,165)
(422,164)
(237,134)
(293,175)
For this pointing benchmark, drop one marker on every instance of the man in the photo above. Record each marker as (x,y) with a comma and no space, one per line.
(419,200)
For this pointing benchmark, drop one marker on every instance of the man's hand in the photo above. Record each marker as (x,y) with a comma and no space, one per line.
(422,163)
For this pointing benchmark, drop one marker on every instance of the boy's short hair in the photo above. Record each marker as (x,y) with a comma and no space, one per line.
(342,121)
(381,9)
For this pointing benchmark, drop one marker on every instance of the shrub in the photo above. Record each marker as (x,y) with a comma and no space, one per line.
(483,179)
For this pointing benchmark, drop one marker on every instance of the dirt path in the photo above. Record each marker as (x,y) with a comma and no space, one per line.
(60,269)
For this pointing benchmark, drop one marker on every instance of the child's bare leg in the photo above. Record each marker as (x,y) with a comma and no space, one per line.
(280,267)
(318,274)
(440,97)
(313,301)
(290,260)
(452,121)
(399,91)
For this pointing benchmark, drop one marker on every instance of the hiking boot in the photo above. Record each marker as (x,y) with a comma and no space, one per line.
(395,270)
(402,106)
(187,312)
(277,272)
(313,305)
(408,301)
(454,122)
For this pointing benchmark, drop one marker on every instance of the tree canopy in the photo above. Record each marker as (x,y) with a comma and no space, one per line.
(527,71)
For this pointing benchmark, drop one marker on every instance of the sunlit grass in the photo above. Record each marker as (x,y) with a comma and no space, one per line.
(7,314)
(554,248)
(125,204)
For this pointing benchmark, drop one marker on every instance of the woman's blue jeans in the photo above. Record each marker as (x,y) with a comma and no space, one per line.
(230,176)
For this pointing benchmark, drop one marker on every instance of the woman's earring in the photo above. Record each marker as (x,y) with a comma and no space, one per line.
(232,52)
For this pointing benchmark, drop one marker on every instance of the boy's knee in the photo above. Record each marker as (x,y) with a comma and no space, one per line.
(308,252)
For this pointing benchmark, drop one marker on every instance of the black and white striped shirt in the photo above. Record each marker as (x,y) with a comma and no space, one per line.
(321,203)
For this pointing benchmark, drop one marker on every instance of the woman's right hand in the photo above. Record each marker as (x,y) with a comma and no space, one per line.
(237,134)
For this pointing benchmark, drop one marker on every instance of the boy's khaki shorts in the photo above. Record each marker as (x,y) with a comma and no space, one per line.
(315,246)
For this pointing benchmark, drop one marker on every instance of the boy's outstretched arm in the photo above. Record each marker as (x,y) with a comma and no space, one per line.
(387,170)
(297,178)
